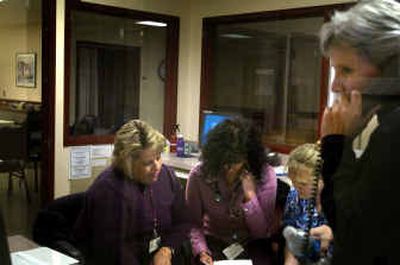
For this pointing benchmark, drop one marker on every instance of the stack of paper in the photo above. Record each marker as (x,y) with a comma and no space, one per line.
(41,256)
(234,262)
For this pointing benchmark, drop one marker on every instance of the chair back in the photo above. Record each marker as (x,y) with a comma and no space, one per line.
(56,221)
(34,133)
(13,144)
(53,226)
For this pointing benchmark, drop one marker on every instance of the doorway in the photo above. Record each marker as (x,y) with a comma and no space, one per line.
(27,29)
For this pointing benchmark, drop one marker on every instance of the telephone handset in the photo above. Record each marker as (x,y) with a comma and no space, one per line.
(237,183)
(307,240)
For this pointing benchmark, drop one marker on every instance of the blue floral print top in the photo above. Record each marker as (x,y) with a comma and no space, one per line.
(296,212)
(296,215)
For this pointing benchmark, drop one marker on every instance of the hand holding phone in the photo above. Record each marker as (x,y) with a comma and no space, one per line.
(344,115)
(248,185)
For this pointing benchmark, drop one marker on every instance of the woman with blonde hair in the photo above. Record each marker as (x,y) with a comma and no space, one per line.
(301,212)
(134,212)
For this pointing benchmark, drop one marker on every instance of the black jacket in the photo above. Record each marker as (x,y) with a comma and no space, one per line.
(361,196)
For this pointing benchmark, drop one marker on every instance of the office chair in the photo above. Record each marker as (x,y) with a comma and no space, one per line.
(54,224)
(13,155)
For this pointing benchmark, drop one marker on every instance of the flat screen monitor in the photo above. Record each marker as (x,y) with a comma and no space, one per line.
(210,120)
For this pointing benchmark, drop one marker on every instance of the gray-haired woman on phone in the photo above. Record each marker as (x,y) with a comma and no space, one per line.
(360,196)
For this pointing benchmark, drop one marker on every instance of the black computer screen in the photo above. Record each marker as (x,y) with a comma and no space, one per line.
(4,250)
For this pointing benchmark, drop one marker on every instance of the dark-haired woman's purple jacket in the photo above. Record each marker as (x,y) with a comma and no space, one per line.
(117,220)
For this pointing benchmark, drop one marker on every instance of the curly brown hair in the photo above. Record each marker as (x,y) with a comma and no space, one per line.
(230,142)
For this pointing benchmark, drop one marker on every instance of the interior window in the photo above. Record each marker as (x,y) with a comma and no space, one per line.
(117,65)
(267,68)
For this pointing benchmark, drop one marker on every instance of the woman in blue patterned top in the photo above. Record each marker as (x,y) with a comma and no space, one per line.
(301,163)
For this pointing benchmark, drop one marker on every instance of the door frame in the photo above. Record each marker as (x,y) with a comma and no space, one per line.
(48,100)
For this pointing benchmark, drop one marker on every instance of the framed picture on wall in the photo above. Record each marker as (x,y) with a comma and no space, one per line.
(26,70)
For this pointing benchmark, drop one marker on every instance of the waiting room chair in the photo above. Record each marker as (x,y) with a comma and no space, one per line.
(13,155)
(54,224)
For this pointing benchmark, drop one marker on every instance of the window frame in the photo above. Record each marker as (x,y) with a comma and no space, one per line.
(209,27)
(171,59)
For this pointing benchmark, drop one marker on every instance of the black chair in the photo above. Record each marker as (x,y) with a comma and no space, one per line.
(33,125)
(4,249)
(86,125)
(53,226)
(278,239)
(13,155)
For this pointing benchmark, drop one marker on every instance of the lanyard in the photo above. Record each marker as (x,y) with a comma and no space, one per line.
(154,214)
(234,212)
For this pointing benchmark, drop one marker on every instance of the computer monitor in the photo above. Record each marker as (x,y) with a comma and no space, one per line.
(4,250)
(210,120)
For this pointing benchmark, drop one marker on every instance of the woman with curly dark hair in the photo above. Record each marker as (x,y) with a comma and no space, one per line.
(231,195)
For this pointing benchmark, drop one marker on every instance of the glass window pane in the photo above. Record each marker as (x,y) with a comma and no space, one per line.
(270,72)
(115,73)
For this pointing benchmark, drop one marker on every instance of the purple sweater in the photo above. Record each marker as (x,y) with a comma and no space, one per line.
(117,220)
(213,218)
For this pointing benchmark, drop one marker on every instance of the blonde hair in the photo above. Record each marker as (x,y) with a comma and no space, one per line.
(305,155)
(133,137)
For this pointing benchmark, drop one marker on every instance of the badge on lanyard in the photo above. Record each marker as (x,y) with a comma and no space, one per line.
(233,251)
(154,244)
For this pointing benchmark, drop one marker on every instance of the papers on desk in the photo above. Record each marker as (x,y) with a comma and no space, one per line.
(234,262)
(41,256)
(6,122)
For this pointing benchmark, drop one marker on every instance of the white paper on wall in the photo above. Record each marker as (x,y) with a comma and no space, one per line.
(80,162)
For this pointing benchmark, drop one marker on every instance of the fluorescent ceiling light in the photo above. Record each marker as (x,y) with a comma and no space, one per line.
(152,23)
(236,36)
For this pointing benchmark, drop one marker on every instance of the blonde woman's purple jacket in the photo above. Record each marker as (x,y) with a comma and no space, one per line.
(118,218)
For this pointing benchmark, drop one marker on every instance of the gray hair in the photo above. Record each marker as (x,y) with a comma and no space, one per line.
(371,27)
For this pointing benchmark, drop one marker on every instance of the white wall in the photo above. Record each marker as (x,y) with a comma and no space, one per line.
(191,13)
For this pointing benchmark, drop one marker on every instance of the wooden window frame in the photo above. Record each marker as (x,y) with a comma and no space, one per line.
(209,26)
(172,51)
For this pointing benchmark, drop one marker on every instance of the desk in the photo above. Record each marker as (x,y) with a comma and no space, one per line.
(20,243)
(183,165)
(24,251)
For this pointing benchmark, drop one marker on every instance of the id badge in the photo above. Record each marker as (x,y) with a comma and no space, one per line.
(154,244)
(233,251)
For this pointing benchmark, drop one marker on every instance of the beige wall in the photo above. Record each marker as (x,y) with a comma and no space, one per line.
(191,14)
(20,31)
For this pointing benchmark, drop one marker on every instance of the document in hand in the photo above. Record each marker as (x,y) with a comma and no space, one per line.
(41,256)
(234,262)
